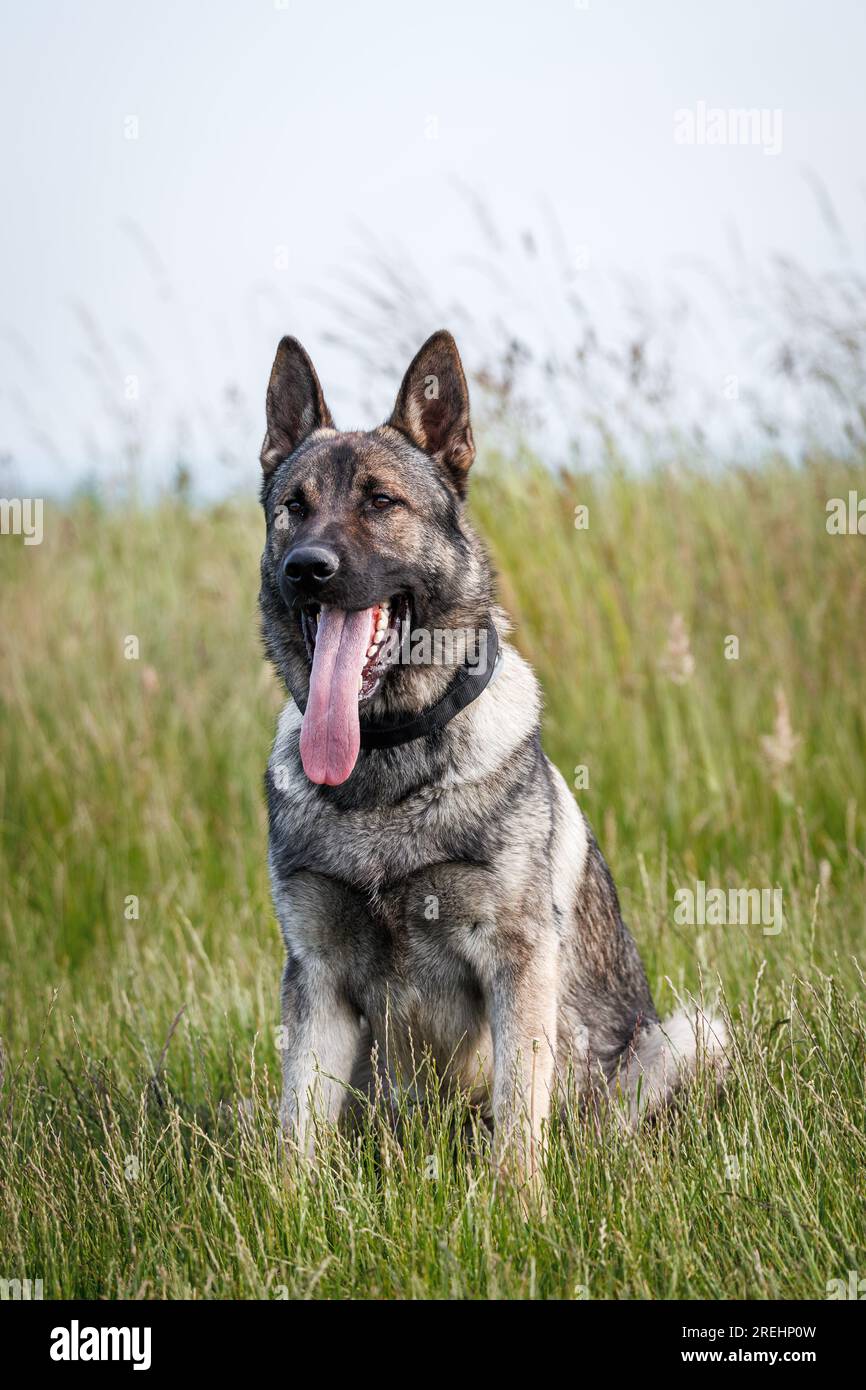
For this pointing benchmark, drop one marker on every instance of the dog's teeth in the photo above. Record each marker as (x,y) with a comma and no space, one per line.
(371,651)
(381,623)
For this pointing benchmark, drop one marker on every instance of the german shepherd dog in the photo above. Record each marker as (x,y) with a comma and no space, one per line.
(440,894)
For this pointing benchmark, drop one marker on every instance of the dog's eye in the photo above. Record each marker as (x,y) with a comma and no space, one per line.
(295,507)
(381,501)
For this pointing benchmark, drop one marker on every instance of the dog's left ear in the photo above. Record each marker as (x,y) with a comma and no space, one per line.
(432,408)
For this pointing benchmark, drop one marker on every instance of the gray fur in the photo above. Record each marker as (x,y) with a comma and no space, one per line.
(448,900)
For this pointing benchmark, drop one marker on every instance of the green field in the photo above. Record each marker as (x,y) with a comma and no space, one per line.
(139,1150)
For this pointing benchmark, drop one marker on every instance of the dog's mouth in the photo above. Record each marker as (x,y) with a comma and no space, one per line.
(350,652)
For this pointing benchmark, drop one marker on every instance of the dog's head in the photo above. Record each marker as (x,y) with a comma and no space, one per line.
(366,541)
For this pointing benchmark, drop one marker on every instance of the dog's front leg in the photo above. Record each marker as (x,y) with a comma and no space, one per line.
(321,1038)
(523,1012)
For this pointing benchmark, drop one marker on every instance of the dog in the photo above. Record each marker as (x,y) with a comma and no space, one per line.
(441,896)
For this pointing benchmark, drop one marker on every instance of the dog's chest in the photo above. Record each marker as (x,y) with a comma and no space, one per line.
(419,977)
(370,848)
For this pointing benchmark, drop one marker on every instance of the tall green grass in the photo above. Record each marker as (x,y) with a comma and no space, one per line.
(139,1153)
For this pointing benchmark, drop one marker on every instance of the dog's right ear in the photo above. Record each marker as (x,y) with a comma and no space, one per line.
(295,404)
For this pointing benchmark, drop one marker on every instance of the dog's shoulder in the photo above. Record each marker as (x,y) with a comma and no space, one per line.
(488,734)
(285,778)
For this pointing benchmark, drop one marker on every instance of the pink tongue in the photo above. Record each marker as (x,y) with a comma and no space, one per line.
(331,733)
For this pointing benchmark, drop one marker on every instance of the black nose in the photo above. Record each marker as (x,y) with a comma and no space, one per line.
(310,564)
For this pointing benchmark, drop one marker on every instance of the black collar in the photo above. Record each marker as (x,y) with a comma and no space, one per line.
(465,686)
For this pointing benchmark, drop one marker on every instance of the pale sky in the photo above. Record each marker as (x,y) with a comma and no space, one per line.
(276,141)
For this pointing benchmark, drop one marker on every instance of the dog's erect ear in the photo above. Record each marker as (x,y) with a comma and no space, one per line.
(433,407)
(295,403)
